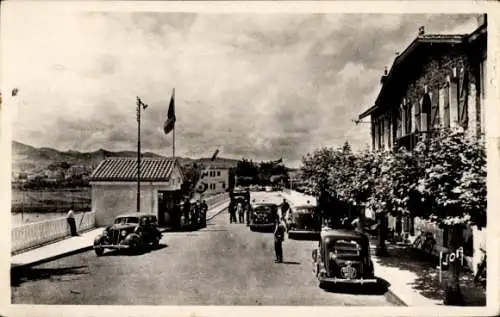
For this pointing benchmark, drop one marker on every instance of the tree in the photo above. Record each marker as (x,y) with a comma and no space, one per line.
(454,184)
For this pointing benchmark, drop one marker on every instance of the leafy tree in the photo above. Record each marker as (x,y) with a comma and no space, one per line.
(454,184)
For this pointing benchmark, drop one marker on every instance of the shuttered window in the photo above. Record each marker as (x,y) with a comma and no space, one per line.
(417,116)
(434,110)
(463,117)
(446,107)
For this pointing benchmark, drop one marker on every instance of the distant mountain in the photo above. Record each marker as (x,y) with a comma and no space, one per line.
(29,159)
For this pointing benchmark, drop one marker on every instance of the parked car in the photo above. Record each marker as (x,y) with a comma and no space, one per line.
(343,256)
(263,216)
(129,232)
(303,220)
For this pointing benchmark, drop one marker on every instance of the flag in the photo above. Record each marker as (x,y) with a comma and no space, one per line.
(215,155)
(278,161)
(169,124)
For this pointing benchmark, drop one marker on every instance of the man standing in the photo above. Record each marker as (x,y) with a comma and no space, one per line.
(285,207)
(186,210)
(239,210)
(71,222)
(279,237)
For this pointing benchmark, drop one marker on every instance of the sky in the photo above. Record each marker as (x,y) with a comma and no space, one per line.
(259,86)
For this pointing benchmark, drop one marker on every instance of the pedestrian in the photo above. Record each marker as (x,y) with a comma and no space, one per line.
(186,210)
(285,208)
(232,212)
(279,237)
(71,222)
(239,209)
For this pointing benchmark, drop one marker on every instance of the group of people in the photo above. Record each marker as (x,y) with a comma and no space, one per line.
(192,212)
(238,211)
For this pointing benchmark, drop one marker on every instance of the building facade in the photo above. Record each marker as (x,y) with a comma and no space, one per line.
(213,180)
(114,189)
(437,82)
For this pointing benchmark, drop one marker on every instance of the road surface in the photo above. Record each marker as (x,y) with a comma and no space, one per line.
(223,264)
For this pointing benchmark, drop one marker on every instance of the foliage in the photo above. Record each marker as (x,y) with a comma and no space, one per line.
(263,173)
(454,179)
(443,179)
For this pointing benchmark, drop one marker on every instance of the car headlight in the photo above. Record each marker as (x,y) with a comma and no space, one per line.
(123,233)
(333,256)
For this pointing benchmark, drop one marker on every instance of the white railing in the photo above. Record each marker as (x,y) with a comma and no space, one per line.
(213,200)
(38,233)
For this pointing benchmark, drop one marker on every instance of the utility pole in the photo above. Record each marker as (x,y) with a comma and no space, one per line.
(140,106)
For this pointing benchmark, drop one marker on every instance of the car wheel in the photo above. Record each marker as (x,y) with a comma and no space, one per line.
(99,251)
(252,228)
(156,243)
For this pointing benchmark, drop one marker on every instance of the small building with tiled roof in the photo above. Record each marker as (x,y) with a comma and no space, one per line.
(114,188)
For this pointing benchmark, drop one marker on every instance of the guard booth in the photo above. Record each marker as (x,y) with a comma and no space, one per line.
(114,189)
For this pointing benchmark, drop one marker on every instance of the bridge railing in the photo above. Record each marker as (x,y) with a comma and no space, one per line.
(39,233)
(214,200)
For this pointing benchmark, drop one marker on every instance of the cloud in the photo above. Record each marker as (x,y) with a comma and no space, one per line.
(259,85)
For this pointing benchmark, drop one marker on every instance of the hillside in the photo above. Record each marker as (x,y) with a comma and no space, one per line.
(30,160)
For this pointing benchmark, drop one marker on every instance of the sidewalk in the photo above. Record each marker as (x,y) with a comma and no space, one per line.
(78,244)
(414,280)
(56,250)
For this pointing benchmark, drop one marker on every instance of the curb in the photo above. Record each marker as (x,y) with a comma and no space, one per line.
(51,258)
(394,299)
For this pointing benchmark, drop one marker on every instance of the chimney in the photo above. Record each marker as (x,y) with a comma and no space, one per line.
(421,30)
(383,78)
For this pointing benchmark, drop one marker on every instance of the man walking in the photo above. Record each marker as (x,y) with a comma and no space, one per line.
(279,237)
(71,222)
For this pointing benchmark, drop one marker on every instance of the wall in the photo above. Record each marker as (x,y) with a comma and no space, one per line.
(39,233)
(436,77)
(215,183)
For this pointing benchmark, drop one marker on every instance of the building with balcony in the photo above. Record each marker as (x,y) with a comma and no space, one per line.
(437,82)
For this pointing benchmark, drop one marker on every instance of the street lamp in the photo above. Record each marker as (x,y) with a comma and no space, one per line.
(140,106)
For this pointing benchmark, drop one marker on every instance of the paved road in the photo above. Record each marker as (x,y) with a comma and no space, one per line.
(223,264)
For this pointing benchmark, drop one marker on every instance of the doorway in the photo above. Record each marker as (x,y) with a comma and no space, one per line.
(168,209)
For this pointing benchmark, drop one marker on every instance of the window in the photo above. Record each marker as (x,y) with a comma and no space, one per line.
(218,173)
(223,185)
(408,119)
(417,116)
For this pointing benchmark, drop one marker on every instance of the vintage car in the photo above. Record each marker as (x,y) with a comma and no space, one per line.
(129,231)
(263,216)
(303,220)
(343,256)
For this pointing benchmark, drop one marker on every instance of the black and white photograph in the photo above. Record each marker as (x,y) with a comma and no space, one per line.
(185,157)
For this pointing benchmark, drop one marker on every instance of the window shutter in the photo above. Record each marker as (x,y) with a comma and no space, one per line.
(446,107)
(417,116)
(435,110)
(463,101)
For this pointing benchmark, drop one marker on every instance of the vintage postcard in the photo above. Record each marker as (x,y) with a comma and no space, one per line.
(195,158)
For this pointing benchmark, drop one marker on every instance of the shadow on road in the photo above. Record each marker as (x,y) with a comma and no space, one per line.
(25,274)
(136,252)
(291,262)
(378,288)
(304,237)
(427,276)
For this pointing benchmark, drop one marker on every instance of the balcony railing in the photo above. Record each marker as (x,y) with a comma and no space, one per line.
(411,140)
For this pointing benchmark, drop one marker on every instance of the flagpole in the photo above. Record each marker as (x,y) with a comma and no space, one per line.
(140,105)
(173,134)
(138,203)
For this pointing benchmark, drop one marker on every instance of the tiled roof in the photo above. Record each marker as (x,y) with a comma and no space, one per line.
(125,169)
